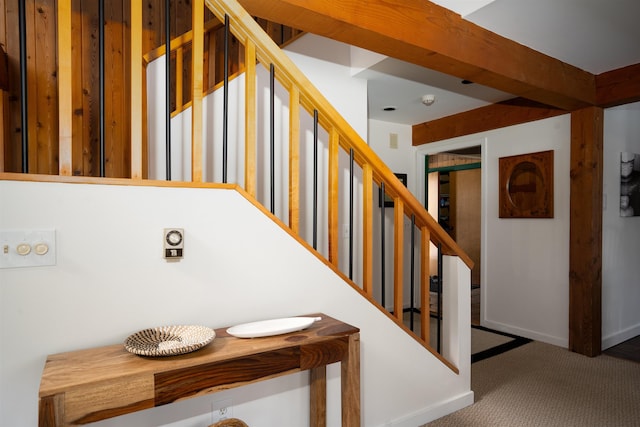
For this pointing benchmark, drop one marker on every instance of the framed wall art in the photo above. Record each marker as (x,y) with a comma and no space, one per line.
(629,184)
(526,185)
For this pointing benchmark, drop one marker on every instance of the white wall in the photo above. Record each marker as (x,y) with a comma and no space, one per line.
(110,280)
(620,236)
(525,262)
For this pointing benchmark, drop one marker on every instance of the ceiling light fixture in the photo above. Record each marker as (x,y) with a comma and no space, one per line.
(428,99)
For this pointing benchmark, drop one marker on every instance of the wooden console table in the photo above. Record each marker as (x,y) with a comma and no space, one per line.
(85,386)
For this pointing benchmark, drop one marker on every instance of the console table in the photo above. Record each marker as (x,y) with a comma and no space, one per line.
(89,385)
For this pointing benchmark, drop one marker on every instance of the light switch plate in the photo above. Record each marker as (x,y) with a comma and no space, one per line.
(27,248)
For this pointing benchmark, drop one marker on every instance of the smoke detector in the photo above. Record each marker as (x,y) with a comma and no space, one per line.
(428,99)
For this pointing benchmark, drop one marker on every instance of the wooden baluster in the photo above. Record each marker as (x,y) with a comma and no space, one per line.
(179,80)
(136,90)
(65,108)
(294,160)
(250,119)
(334,140)
(197,48)
(398,256)
(425,294)
(367,229)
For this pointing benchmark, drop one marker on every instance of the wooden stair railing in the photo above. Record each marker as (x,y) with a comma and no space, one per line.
(260,49)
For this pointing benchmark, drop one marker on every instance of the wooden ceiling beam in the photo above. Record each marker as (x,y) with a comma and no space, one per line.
(423,33)
(613,88)
(618,87)
(503,114)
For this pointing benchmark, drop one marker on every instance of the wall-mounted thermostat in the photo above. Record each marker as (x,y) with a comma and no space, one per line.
(173,243)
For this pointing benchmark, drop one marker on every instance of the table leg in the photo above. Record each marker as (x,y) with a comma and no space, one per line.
(350,377)
(318,404)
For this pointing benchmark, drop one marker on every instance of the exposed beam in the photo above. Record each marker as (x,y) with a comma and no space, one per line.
(618,87)
(429,35)
(503,114)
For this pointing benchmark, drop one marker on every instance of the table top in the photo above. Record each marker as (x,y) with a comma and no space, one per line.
(77,369)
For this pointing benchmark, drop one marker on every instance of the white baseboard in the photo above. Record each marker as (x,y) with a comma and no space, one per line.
(620,336)
(525,333)
(434,412)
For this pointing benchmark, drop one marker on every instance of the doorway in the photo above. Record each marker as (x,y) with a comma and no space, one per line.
(454,196)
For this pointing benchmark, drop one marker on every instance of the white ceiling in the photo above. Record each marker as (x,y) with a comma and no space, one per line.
(593,35)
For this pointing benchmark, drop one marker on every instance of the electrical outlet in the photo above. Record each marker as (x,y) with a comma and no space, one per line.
(221,410)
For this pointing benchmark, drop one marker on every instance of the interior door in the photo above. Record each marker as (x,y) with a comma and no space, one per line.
(465,200)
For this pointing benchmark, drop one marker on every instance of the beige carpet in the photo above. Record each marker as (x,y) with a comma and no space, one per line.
(542,385)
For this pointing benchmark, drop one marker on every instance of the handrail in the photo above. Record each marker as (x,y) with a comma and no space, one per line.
(341,135)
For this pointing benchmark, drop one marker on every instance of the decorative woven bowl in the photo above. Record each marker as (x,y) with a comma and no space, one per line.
(169,340)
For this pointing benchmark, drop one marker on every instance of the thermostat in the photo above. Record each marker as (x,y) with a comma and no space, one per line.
(173,243)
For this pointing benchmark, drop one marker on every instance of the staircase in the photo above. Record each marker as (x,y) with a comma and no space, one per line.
(277,140)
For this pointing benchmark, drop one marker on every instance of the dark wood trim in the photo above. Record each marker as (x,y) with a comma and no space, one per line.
(585,240)
(503,114)
(618,87)
(439,39)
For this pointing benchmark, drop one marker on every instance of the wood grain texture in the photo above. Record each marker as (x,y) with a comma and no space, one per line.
(617,87)
(426,34)
(105,382)
(585,236)
(350,380)
(398,258)
(294,159)
(333,202)
(495,116)
(425,284)
(318,397)
(65,88)
(192,381)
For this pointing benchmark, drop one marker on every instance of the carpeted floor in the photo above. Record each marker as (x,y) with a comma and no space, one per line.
(539,384)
